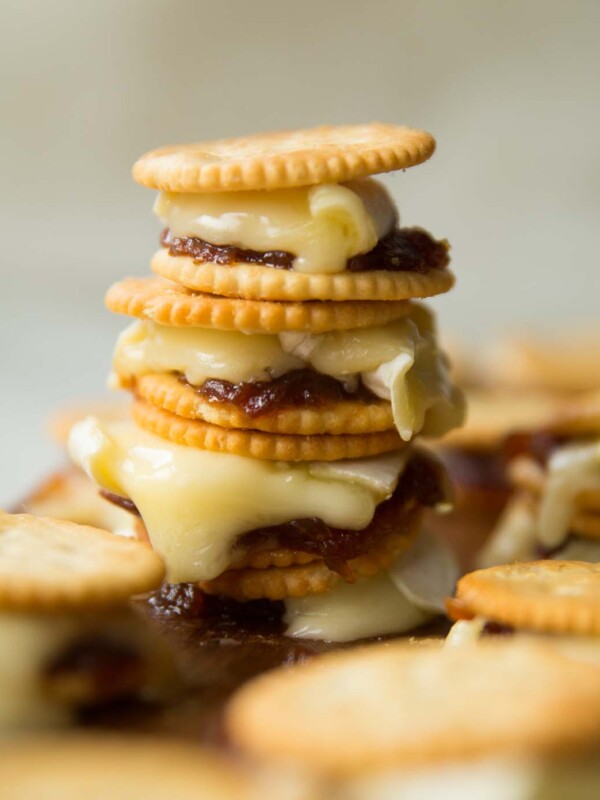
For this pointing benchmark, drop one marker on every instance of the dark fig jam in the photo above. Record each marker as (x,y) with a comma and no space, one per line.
(401,250)
(300,388)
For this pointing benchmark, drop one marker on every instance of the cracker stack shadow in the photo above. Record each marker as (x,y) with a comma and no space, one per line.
(281,371)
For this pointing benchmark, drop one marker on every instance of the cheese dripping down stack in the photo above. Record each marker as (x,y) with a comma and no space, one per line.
(281,372)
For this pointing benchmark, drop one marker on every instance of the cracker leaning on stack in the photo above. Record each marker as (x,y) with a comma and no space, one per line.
(281,372)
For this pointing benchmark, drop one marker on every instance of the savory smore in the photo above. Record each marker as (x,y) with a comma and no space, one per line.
(281,373)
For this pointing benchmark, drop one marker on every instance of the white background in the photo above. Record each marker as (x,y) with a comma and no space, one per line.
(510,89)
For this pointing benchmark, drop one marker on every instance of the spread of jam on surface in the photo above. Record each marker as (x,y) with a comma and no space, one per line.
(301,387)
(401,250)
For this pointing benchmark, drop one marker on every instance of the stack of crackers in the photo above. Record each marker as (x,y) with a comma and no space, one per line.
(279,346)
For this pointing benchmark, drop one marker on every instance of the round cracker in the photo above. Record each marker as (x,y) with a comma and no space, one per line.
(48,564)
(108,409)
(263,559)
(255,282)
(579,416)
(276,583)
(555,596)
(97,767)
(268,446)
(69,494)
(562,362)
(395,705)
(346,416)
(168,303)
(494,413)
(283,159)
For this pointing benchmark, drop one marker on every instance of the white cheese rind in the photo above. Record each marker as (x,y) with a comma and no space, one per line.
(195,503)
(322,226)
(405,596)
(427,573)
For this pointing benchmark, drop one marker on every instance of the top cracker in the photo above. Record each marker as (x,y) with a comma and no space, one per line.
(326,154)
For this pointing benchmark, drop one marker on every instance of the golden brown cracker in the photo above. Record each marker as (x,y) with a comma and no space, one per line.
(48,564)
(108,409)
(268,446)
(561,363)
(169,303)
(70,495)
(393,705)
(255,282)
(314,577)
(102,765)
(347,416)
(552,596)
(493,413)
(283,159)
(578,416)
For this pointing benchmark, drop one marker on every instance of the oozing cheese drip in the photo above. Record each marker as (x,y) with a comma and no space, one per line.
(322,226)
(195,503)
(571,470)
(351,611)
(399,362)
(407,595)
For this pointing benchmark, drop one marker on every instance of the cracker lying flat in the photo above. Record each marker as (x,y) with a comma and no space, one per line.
(579,416)
(554,596)
(69,494)
(327,154)
(394,704)
(494,413)
(97,767)
(268,446)
(277,583)
(169,303)
(46,564)
(345,416)
(255,282)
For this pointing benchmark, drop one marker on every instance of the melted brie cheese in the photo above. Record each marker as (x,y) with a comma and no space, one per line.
(407,595)
(371,607)
(195,503)
(201,353)
(399,362)
(322,226)
(571,470)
